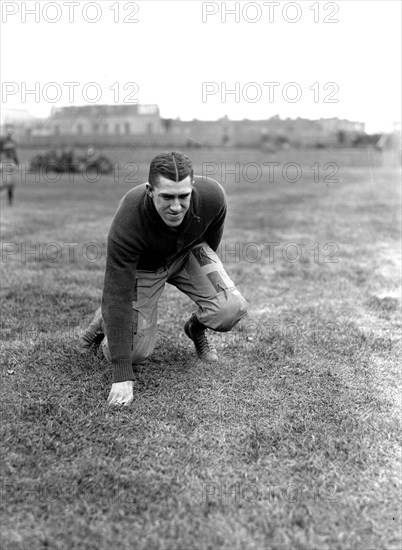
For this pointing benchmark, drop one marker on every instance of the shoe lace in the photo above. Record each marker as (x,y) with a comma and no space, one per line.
(86,338)
(94,338)
(202,342)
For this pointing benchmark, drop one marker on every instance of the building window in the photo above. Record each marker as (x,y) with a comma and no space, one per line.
(149,127)
(79,129)
(106,128)
(95,128)
(127,129)
(117,129)
(57,130)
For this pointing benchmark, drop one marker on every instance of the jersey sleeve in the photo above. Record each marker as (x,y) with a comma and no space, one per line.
(123,251)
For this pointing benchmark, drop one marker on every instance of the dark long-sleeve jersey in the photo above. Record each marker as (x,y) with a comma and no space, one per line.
(139,239)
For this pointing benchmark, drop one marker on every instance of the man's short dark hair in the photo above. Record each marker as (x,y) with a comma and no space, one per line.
(174,166)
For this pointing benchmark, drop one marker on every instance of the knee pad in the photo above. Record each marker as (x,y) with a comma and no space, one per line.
(139,355)
(143,348)
(228,308)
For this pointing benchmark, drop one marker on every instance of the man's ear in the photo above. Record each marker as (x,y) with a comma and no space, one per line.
(149,190)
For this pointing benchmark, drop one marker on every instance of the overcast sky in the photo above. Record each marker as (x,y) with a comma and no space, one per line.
(350,68)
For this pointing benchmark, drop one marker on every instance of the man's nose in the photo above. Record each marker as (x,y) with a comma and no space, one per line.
(175,205)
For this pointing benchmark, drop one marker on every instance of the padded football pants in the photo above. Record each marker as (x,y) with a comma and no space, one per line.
(199,274)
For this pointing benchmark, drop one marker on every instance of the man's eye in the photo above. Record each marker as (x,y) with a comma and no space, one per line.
(170,198)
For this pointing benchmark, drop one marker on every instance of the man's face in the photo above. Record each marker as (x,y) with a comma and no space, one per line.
(172,199)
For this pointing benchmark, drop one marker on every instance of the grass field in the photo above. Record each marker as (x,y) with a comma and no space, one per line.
(292,441)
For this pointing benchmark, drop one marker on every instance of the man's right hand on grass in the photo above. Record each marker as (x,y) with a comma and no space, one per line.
(121,394)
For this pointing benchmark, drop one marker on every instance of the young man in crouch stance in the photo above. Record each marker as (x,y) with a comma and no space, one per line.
(165,230)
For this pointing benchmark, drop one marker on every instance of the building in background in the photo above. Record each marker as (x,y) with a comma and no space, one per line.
(270,134)
(142,125)
(105,120)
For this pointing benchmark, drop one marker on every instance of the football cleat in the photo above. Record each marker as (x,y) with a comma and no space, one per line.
(196,332)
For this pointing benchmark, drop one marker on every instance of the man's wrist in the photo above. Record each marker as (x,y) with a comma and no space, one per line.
(122,370)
